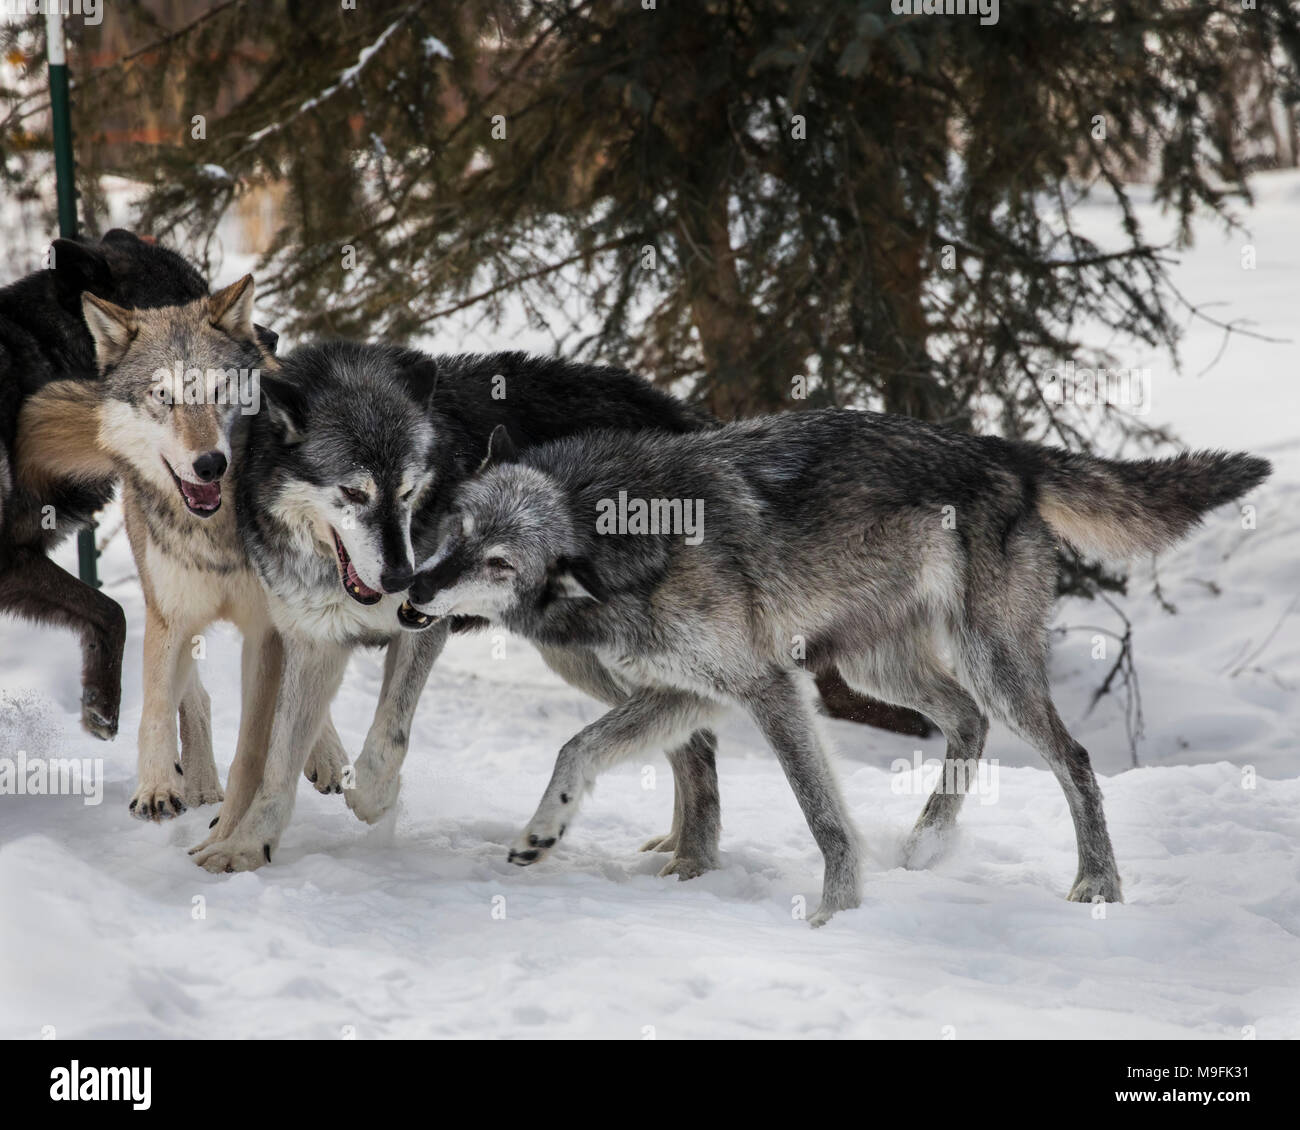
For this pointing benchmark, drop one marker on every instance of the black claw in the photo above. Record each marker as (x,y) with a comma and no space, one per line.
(133,804)
(266,851)
(549,843)
(214,821)
(532,840)
(526,856)
(312,778)
(564,798)
(178,769)
(562,827)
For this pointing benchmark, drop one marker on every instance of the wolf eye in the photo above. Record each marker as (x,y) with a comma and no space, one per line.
(407,495)
(353,495)
(499,563)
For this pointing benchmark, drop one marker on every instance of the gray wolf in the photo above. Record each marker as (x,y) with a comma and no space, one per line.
(166,418)
(43,339)
(344,478)
(920,561)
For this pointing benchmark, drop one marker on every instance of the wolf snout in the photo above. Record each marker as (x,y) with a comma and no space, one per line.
(424,587)
(210,466)
(396,580)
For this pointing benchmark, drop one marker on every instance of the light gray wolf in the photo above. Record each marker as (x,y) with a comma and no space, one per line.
(43,338)
(166,419)
(345,475)
(919,560)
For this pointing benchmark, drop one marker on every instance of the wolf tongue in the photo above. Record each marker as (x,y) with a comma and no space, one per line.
(203,495)
(357,583)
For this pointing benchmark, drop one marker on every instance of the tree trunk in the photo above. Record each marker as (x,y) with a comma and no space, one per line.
(741,386)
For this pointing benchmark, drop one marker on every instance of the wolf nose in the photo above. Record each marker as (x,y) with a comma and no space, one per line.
(396,580)
(210,466)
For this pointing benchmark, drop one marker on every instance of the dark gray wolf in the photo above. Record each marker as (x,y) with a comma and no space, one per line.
(342,484)
(875,542)
(177,388)
(44,338)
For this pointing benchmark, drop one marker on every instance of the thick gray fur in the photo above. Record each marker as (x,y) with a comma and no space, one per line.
(921,561)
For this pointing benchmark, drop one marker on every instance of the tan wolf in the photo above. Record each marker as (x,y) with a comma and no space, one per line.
(176,382)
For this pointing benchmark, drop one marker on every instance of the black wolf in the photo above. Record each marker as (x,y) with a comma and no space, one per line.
(44,338)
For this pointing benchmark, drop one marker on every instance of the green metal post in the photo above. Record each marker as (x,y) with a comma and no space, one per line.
(66,194)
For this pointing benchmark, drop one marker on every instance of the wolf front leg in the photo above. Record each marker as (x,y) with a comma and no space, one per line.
(168,668)
(781,708)
(311,675)
(410,658)
(646,719)
(697,818)
(328,761)
(33,586)
(261,667)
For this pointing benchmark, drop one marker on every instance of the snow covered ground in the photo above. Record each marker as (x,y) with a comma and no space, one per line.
(419,927)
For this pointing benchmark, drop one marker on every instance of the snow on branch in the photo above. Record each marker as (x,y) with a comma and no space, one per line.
(348,77)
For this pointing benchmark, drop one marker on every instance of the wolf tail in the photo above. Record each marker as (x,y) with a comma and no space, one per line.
(1119,509)
(57,440)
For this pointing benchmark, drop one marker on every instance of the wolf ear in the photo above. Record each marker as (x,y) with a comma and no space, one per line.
(78,267)
(422,379)
(501,449)
(285,407)
(576,577)
(122,236)
(231,309)
(267,339)
(112,328)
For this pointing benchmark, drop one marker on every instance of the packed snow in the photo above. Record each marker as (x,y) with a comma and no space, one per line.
(419,926)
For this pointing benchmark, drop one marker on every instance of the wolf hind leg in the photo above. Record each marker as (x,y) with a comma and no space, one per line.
(1010,675)
(202,783)
(914,676)
(697,813)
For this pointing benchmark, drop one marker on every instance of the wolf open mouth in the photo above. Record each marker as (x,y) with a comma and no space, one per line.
(203,499)
(355,587)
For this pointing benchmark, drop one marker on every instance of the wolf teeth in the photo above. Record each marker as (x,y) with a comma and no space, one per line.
(411,617)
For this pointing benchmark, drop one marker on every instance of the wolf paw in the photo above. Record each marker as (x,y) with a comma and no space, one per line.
(198,795)
(324,769)
(1090,888)
(203,785)
(686,867)
(666,842)
(534,844)
(158,802)
(236,853)
(829,909)
(98,715)
(924,845)
(371,798)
